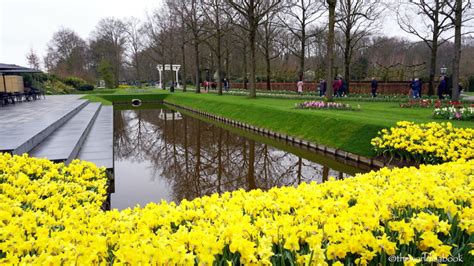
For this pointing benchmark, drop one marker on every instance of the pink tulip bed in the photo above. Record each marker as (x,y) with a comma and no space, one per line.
(323,105)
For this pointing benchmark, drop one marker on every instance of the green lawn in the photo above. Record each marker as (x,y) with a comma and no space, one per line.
(109,96)
(348,130)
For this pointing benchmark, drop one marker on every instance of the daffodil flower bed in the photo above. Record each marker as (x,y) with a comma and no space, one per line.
(429,143)
(50,214)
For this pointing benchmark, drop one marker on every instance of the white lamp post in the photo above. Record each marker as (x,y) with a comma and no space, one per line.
(443,70)
(176,69)
(160,69)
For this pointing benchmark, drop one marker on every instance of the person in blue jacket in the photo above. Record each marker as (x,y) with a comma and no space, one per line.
(374,85)
(442,87)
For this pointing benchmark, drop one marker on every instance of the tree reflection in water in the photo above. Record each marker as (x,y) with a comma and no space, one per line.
(196,158)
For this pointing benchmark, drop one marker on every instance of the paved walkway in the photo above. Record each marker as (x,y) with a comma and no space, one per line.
(57,128)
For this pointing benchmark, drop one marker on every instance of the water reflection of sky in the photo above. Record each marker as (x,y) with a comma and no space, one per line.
(158,158)
(141,189)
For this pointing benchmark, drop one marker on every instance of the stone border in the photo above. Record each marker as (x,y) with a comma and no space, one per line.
(371,162)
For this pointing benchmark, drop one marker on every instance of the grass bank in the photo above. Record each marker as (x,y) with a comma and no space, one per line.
(125,96)
(348,130)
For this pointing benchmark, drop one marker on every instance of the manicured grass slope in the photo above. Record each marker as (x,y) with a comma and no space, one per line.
(108,99)
(348,130)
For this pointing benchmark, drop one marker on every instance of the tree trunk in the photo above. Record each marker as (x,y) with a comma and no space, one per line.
(183,51)
(137,66)
(197,169)
(117,67)
(432,71)
(227,61)
(325,174)
(198,72)
(457,49)
(251,173)
(219,48)
(219,162)
(219,61)
(299,171)
(183,67)
(269,73)
(330,48)
(434,53)
(302,52)
(253,87)
(267,56)
(347,54)
(245,65)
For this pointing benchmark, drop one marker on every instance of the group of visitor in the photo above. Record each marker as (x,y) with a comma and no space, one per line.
(339,87)
(213,85)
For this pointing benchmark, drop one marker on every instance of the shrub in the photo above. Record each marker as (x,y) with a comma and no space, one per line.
(86,87)
(106,72)
(74,82)
(56,87)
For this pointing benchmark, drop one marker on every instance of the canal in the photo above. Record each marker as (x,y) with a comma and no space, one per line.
(162,154)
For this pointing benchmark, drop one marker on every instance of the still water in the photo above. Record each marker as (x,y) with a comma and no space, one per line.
(161,154)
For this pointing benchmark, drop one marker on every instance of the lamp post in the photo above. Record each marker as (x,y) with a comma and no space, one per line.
(160,69)
(443,70)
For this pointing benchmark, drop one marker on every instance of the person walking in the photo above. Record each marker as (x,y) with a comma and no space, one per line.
(374,85)
(336,86)
(340,86)
(416,88)
(442,87)
(226,84)
(343,88)
(322,87)
(299,86)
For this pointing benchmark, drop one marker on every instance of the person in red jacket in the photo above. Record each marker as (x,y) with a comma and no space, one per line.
(337,84)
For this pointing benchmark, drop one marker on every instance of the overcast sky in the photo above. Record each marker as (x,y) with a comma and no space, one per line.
(26,24)
(30,24)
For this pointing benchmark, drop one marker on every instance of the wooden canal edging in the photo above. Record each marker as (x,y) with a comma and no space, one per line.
(338,153)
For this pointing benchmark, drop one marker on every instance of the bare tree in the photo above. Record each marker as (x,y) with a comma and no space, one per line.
(253,11)
(434,22)
(178,12)
(268,32)
(156,39)
(297,18)
(66,54)
(356,20)
(134,31)
(193,17)
(218,24)
(112,33)
(330,47)
(33,59)
(460,16)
